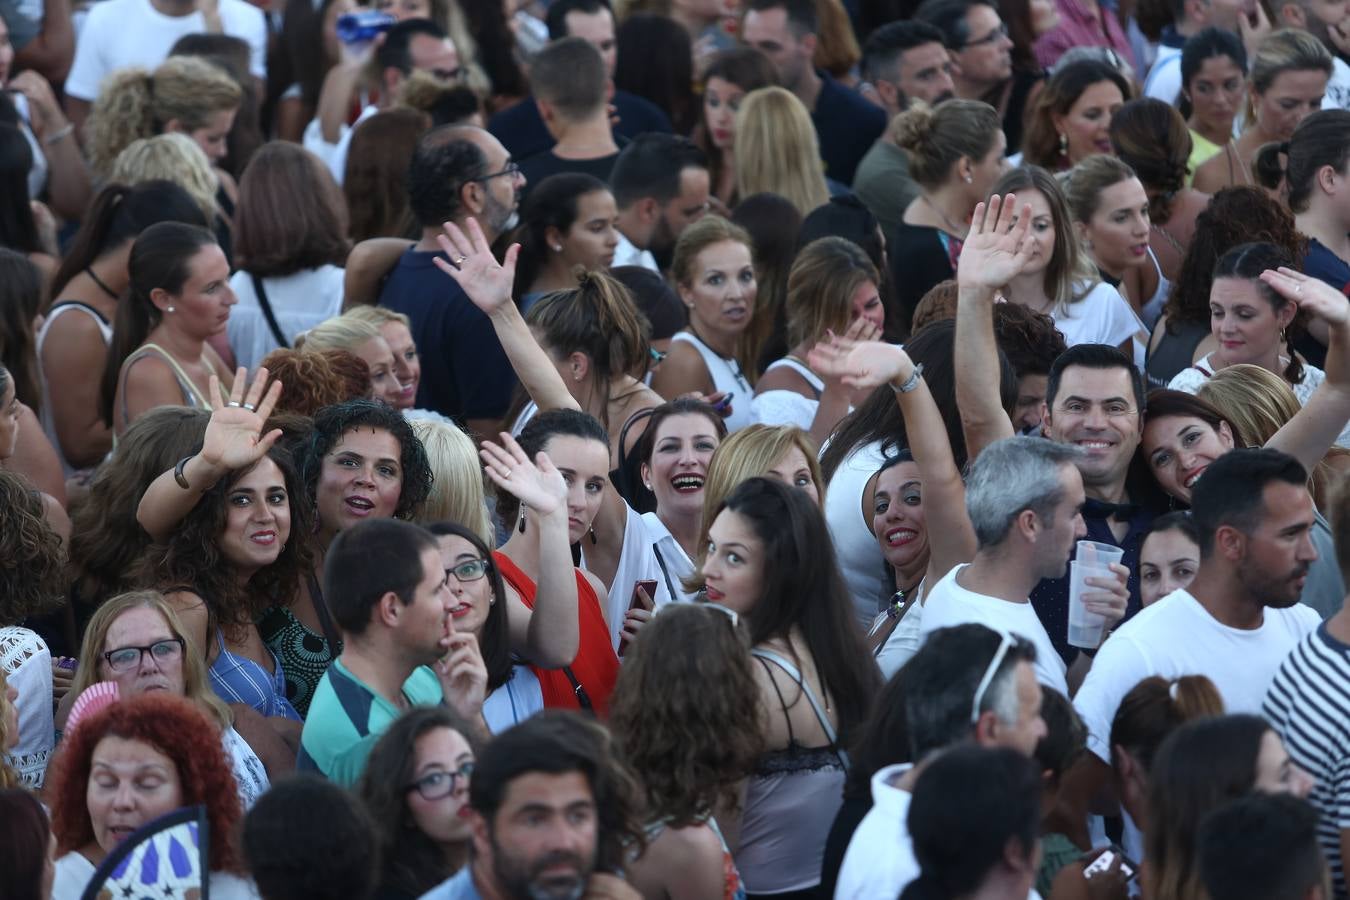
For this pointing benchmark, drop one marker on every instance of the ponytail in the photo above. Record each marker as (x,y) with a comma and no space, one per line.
(1156,707)
(160,259)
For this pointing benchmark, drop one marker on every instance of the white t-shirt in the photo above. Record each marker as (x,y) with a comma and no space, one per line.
(122,33)
(627,254)
(515,701)
(1337,95)
(73,872)
(334,155)
(855,546)
(299,301)
(1177,636)
(1164,78)
(948,604)
(1101,317)
(879,862)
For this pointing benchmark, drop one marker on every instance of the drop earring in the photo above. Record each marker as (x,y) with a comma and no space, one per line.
(594,540)
(1063,144)
(521,525)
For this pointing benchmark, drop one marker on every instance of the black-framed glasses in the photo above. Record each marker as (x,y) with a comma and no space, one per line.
(512,169)
(125,659)
(438,785)
(992,37)
(469,570)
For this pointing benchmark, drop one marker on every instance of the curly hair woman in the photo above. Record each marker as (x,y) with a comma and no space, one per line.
(164,751)
(32,583)
(679,716)
(240,550)
(362,460)
(415,785)
(313,379)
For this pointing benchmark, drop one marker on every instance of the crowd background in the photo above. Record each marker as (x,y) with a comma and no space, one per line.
(535,449)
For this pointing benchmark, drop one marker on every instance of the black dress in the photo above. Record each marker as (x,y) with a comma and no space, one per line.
(920,258)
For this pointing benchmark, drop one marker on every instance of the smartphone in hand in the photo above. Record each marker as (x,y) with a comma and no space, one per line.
(644,594)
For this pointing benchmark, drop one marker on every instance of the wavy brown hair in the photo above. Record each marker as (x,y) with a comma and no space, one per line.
(174,727)
(106,540)
(291,214)
(32,560)
(192,556)
(682,710)
(313,379)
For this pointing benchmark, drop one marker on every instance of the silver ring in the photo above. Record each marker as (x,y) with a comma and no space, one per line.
(460,261)
(1298,289)
(250,407)
(234,403)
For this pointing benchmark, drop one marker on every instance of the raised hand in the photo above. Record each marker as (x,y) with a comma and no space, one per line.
(996,250)
(1312,294)
(474,268)
(539,485)
(462,673)
(861,366)
(234,437)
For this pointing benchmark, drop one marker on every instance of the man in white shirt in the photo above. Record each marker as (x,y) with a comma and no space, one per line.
(967,684)
(1024,497)
(1239,618)
(122,33)
(660,183)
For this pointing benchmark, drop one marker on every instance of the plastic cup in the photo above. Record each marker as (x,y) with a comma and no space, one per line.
(1092,560)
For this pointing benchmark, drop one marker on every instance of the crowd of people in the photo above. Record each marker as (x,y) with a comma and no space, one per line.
(856,449)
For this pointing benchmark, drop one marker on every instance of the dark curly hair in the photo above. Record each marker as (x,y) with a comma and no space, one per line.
(1028,338)
(442,163)
(681,712)
(173,726)
(313,379)
(332,422)
(1235,215)
(32,559)
(106,540)
(411,861)
(192,556)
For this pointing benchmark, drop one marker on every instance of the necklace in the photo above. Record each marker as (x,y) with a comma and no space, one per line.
(952,229)
(89,270)
(731,361)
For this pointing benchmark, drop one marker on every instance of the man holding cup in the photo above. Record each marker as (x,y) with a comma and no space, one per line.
(1024,497)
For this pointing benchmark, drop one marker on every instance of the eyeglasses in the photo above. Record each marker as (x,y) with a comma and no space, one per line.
(726,611)
(992,37)
(125,659)
(1004,646)
(512,169)
(438,785)
(469,570)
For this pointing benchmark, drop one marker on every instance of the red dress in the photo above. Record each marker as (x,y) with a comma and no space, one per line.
(596,667)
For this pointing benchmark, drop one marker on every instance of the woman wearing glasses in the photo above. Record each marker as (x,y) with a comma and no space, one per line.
(138,642)
(771,562)
(416,788)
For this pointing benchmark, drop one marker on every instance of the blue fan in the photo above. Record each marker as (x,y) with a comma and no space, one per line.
(165,859)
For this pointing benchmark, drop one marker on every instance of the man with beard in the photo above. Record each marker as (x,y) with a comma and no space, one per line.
(551,812)
(1239,618)
(457,172)
(902,61)
(661,186)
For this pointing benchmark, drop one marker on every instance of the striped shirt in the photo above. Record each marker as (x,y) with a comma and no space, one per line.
(1309,706)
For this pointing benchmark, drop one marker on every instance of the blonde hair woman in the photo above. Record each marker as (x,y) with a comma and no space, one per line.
(777,151)
(832,288)
(457,492)
(396,329)
(184,95)
(1288,77)
(353,334)
(170,157)
(137,641)
(1258,403)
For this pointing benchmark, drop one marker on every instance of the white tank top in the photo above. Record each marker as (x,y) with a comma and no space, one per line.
(728,378)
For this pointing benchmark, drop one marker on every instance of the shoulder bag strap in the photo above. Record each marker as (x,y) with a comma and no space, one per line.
(266,307)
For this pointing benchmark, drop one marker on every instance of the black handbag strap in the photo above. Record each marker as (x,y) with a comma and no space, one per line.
(267,311)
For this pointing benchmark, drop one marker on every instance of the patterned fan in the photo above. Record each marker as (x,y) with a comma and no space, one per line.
(99,695)
(165,859)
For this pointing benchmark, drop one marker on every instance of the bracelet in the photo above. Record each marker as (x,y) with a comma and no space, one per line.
(911,382)
(58,135)
(178,475)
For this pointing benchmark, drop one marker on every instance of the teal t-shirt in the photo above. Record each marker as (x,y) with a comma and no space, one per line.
(346,718)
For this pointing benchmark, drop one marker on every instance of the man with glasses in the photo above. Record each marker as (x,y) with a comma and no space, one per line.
(457,172)
(568,81)
(547,804)
(385,584)
(846,124)
(982,60)
(967,684)
(413,45)
(902,61)
(1024,497)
